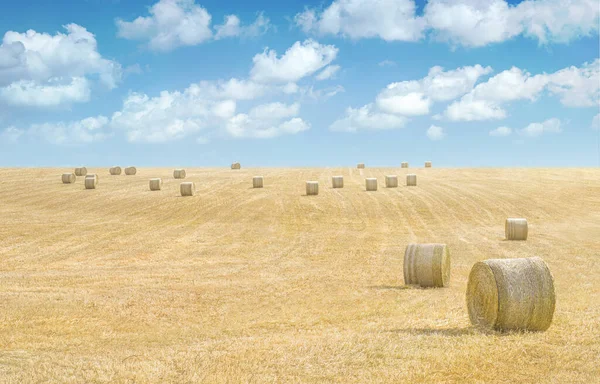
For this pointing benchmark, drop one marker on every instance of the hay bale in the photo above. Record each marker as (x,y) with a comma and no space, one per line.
(187,189)
(411,180)
(68,178)
(515,229)
(404,164)
(371,183)
(360,165)
(130,171)
(156,184)
(179,174)
(91,181)
(81,171)
(115,171)
(312,188)
(257,181)
(428,164)
(236,166)
(427,265)
(511,294)
(391,181)
(337,181)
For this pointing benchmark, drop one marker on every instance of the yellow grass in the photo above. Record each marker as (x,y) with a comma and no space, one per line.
(120,284)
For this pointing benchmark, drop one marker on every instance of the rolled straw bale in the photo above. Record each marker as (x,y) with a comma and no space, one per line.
(179,174)
(411,180)
(91,181)
(156,184)
(130,171)
(427,265)
(187,188)
(511,294)
(115,171)
(337,181)
(515,229)
(68,178)
(391,181)
(428,164)
(236,166)
(371,183)
(81,171)
(257,182)
(312,188)
(360,165)
(404,164)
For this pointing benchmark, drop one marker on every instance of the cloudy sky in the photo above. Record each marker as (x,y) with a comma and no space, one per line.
(316,83)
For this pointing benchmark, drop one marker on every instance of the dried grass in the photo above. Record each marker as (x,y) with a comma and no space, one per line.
(515,229)
(360,165)
(187,188)
(130,171)
(115,171)
(257,182)
(411,180)
(337,181)
(81,171)
(371,183)
(91,181)
(391,181)
(179,174)
(428,164)
(312,188)
(404,164)
(68,178)
(236,166)
(427,265)
(156,184)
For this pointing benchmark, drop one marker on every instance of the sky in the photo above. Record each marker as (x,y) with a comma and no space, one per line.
(461,83)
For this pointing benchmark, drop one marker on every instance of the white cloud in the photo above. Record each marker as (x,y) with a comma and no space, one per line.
(470,109)
(435,133)
(275,111)
(328,72)
(300,60)
(387,63)
(11,134)
(501,132)
(232,27)
(577,87)
(596,122)
(409,104)
(50,94)
(537,129)
(75,132)
(365,118)
(243,126)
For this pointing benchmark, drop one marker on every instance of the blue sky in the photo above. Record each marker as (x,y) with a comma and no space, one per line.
(463,83)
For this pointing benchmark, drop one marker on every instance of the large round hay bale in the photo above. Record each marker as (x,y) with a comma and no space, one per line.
(337,181)
(404,164)
(156,184)
(130,171)
(427,265)
(115,171)
(371,183)
(511,294)
(187,189)
(236,166)
(428,164)
(391,181)
(179,174)
(515,229)
(81,171)
(68,178)
(411,180)
(360,165)
(312,188)
(257,182)
(91,181)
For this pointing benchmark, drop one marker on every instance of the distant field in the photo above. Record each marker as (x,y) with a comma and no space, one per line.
(121,284)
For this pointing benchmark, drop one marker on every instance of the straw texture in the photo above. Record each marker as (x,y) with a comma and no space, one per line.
(130,171)
(511,294)
(156,184)
(337,181)
(68,178)
(115,171)
(427,265)
(81,171)
(91,181)
(257,181)
(360,165)
(312,188)
(236,166)
(404,164)
(187,189)
(371,183)
(515,229)
(428,164)
(411,180)
(391,181)
(179,174)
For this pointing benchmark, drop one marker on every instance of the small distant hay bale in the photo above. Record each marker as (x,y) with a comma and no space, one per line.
(130,171)
(179,174)
(156,184)
(337,181)
(371,183)
(187,189)
(428,164)
(81,171)
(91,181)
(391,181)
(312,188)
(68,178)
(411,180)
(360,165)
(515,229)
(236,166)
(427,265)
(404,164)
(511,294)
(257,181)
(115,171)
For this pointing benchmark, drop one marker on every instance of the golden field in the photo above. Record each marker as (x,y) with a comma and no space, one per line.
(124,285)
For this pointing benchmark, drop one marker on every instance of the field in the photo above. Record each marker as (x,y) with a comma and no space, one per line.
(122,285)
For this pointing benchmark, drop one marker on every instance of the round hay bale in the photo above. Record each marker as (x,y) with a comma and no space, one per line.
(337,181)
(515,229)
(91,181)
(411,180)
(81,171)
(257,181)
(236,166)
(511,294)
(156,184)
(187,189)
(130,171)
(179,174)
(312,188)
(115,171)
(391,181)
(68,178)
(428,164)
(404,164)
(427,265)
(371,183)
(360,165)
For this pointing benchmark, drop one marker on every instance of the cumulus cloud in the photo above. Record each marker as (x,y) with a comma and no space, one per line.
(232,27)
(87,130)
(501,132)
(577,87)
(365,118)
(537,129)
(435,133)
(328,72)
(11,134)
(50,94)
